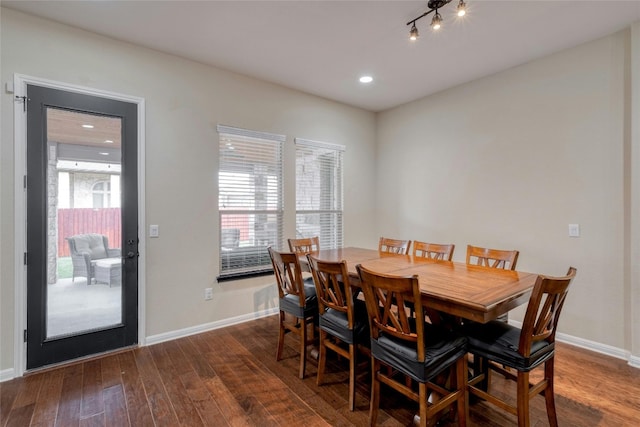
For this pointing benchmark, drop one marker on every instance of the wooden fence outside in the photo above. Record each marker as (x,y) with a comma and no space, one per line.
(106,221)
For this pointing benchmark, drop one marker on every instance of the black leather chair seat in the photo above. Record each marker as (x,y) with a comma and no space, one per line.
(337,324)
(499,341)
(291,303)
(441,351)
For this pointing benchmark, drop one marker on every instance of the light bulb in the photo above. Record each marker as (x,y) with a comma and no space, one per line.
(413,33)
(436,22)
(462,8)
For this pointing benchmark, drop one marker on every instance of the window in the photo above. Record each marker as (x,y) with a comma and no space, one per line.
(249,199)
(319,191)
(101,194)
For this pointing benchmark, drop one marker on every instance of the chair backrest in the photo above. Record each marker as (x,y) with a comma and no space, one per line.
(433,250)
(394,246)
(385,297)
(494,258)
(304,245)
(546,301)
(96,245)
(286,267)
(230,237)
(333,289)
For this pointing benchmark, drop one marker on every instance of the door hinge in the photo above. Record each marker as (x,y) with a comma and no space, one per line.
(24,182)
(25,259)
(25,335)
(24,101)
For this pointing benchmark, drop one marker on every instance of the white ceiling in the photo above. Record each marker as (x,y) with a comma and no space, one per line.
(322,47)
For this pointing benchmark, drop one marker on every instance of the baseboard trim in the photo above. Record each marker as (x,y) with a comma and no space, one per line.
(181,333)
(6,375)
(597,347)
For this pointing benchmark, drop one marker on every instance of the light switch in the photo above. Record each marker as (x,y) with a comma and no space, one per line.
(574,230)
(154,231)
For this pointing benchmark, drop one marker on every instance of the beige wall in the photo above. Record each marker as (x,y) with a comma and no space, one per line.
(506,161)
(510,160)
(185,101)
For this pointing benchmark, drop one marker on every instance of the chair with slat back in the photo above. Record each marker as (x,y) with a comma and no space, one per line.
(433,250)
(412,348)
(298,303)
(493,258)
(304,245)
(394,246)
(525,349)
(343,322)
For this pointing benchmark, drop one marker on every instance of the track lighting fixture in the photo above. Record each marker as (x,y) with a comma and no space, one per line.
(462,8)
(436,21)
(413,33)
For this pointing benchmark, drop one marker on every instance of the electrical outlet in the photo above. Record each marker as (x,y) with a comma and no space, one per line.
(574,230)
(208,294)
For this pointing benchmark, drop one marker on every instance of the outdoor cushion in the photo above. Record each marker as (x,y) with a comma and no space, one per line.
(93,244)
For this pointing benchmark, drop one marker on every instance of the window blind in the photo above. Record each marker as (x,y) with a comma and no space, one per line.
(319,191)
(249,199)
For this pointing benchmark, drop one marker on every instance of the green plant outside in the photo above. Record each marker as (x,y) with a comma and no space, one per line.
(65,268)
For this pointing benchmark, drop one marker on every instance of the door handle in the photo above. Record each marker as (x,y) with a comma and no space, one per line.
(131,254)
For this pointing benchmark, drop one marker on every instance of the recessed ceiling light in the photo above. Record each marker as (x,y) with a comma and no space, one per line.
(108,141)
(104,154)
(87,126)
(366,79)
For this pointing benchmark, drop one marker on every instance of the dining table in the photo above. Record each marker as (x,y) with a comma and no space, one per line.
(467,291)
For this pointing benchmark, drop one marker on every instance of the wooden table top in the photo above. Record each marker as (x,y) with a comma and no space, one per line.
(469,291)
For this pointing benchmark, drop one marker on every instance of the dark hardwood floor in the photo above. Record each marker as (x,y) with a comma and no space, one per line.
(229,377)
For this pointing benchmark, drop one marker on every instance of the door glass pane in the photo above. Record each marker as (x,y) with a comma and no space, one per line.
(84,263)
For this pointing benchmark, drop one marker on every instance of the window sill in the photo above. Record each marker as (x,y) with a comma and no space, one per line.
(247,275)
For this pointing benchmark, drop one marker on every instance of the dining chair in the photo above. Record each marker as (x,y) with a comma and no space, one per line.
(412,348)
(298,303)
(433,250)
(493,258)
(343,321)
(394,246)
(304,245)
(499,344)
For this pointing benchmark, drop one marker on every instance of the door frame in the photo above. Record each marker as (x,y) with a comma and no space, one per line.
(20,82)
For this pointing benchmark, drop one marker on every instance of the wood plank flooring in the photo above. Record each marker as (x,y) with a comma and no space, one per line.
(229,377)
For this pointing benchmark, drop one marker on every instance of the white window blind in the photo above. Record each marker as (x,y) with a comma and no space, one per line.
(319,191)
(249,200)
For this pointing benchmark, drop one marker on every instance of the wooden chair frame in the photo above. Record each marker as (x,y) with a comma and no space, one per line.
(383,295)
(335,292)
(286,267)
(394,246)
(304,245)
(433,250)
(540,323)
(494,258)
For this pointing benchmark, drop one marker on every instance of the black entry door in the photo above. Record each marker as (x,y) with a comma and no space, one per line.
(82,233)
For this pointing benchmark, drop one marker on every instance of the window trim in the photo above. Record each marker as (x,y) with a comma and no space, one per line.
(313,144)
(279,141)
